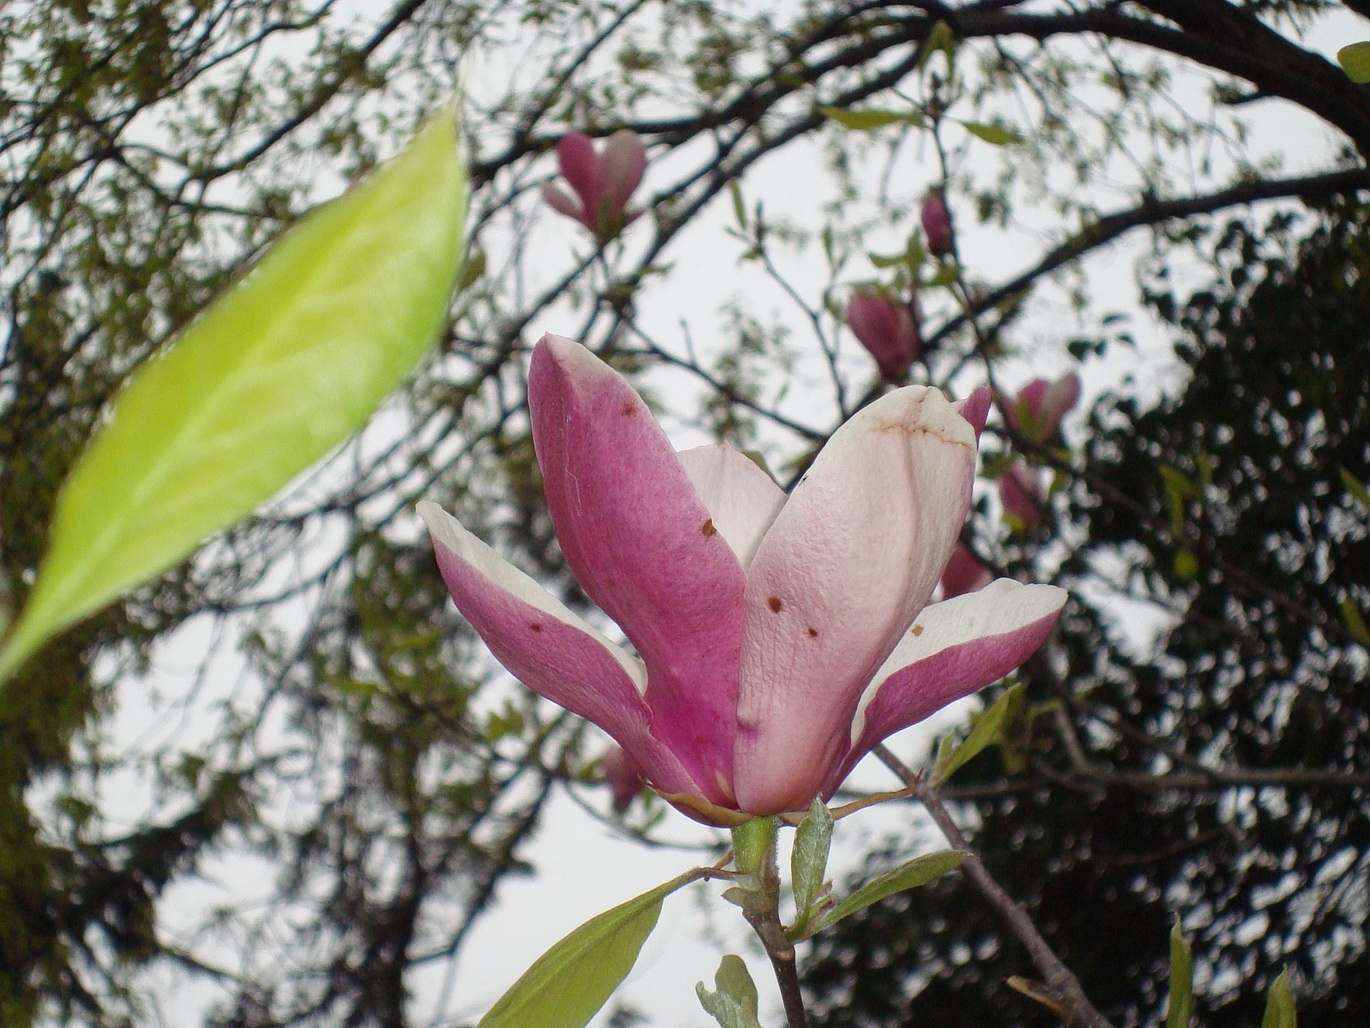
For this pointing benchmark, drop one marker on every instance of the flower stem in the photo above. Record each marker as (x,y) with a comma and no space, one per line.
(761,908)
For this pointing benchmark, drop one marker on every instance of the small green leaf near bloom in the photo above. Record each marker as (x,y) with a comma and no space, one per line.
(280,369)
(568,984)
(1355,61)
(996,135)
(1181,1004)
(809,861)
(917,872)
(735,1003)
(1279,1005)
(989,728)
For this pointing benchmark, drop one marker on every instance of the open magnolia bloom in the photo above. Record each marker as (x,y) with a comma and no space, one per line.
(778,639)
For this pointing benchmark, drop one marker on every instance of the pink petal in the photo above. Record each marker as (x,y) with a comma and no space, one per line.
(1059,398)
(964,573)
(621,167)
(644,547)
(580,167)
(742,499)
(952,649)
(975,409)
(552,650)
(851,559)
(559,200)
(1020,491)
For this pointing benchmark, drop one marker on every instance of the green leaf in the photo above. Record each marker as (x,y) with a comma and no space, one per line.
(870,118)
(940,38)
(569,983)
(1355,61)
(998,135)
(283,367)
(1181,1002)
(735,1004)
(472,268)
(1279,1005)
(1355,487)
(989,728)
(809,861)
(739,205)
(1354,622)
(1185,565)
(917,872)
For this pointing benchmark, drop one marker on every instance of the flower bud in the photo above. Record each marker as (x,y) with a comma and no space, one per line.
(964,573)
(937,223)
(1020,491)
(887,328)
(1036,412)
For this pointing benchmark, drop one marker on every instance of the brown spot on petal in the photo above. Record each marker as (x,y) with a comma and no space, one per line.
(813,633)
(629,409)
(708,528)
(916,630)
(535,627)
(775,604)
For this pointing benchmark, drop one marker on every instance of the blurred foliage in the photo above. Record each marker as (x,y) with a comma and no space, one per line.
(1252,669)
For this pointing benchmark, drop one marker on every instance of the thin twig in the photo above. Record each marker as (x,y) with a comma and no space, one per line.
(1060,985)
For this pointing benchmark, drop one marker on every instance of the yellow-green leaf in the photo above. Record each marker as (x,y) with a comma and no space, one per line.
(917,872)
(1181,1004)
(735,1003)
(1355,61)
(1354,622)
(1279,1005)
(989,728)
(283,367)
(569,983)
(871,118)
(997,135)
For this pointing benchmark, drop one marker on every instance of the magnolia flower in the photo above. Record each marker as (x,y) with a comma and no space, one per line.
(1020,491)
(602,182)
(936,223)
(964,573)
(775,640)
(886,328)
(1037,410)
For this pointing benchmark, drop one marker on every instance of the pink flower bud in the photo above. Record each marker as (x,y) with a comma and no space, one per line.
(964,573)
(602,182)
(886,328)
(623,777)
(937,223)
(1020,491)
(1036,412)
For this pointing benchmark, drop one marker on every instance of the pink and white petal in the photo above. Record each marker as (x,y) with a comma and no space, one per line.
(1060,397)
(742,499)
(975,409)
(559,200)
(552,650)
(643,546)
(952,649)
(580,166)
(850,560)
(621,168)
